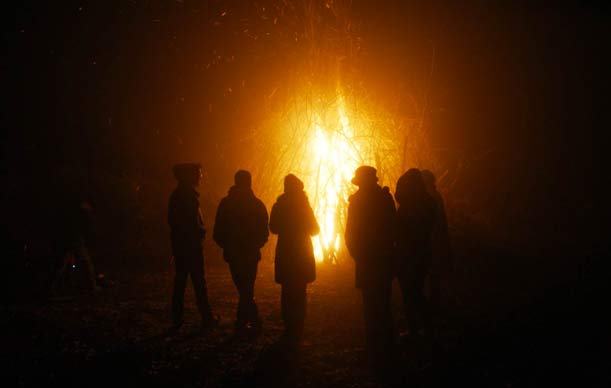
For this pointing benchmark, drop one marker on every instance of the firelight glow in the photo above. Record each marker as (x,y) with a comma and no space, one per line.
(333,160)
(322,135)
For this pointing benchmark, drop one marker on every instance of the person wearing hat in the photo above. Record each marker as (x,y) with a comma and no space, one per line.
(369,236)
(187,234)
(240,229)
(293,220)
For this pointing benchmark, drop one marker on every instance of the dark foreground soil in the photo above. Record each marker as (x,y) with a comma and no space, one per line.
(488,336)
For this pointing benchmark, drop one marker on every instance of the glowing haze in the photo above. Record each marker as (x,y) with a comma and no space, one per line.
(322,136)
(320,121)
(333,158)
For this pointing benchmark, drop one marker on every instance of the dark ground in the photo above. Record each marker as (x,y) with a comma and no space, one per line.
(499,330)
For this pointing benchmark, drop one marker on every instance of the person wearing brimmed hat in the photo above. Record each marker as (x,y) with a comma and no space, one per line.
(240,229)
(188,233)
(293,220)
(369,236)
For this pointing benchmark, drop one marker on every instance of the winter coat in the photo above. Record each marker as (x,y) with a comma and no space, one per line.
(369,236)
(292,219)
(415,219)
(186,224)
(440,236)
(240,226)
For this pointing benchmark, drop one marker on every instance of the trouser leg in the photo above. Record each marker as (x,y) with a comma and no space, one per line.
(249,293)
(417,309)
(293,300)
(236,276)
(435,294)
(378,321)
(60,275)
(82,253)
(180,282)
(201,291)
(244,275)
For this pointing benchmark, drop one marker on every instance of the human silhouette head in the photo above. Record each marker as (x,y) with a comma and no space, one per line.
(188,173)
(410,185)
(365,176)
(292,184)
(429,180)
(242,179)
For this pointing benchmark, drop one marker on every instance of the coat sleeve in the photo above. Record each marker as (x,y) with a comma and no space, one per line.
(184,216)
(261,225)
(349,235)
(391,219)
(195,218)
(219,234)
(313,227)
(171,212)
(274,220)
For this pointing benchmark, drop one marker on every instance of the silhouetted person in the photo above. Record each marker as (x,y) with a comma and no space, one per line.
(188,233)
(370,240)
(240,228)
(292,219)
(442,252)
(416,215)
(76,244)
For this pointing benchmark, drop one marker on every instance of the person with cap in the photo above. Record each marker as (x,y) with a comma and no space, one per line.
(416,215)
(293,220)
(240,229)
(187,234)
(369,236)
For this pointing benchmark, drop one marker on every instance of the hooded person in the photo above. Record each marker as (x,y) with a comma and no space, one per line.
(293,220)
(240,229)
(369,236)
(187,235)
(416,215)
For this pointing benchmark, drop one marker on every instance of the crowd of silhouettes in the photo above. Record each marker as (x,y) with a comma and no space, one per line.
(409,243)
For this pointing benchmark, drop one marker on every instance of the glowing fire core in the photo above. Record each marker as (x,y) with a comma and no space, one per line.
(322,136)
(333,160)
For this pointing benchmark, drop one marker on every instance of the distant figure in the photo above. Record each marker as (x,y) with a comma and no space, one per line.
(442,252)
(416,215)
(188,233)
(240,229)
(76,241)
(369,236)
(292,219)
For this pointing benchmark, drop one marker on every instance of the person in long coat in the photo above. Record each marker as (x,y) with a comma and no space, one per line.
(188,233)
(293,220)
(240,229)
(442,261)
(369,236)
(416,215)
